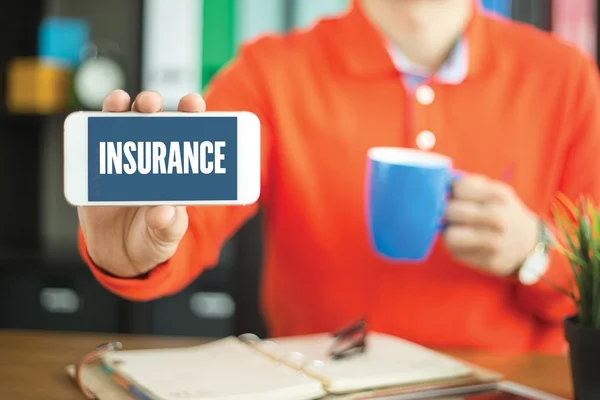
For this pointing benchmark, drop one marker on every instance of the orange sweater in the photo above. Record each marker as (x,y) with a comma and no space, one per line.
(528,112)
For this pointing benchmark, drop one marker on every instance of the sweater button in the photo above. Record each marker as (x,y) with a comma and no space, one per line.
(425,95)
(425,140)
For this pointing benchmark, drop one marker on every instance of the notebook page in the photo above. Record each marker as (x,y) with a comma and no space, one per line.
(388,361)
(226,369)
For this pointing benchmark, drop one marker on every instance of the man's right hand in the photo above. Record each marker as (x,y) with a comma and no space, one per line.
(130,241)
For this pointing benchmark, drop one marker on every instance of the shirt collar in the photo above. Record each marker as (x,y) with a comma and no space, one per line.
(453,71)
(363,51)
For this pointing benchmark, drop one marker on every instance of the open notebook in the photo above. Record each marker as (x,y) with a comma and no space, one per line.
(294,368)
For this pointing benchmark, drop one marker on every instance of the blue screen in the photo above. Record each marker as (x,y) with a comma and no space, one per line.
(162,158)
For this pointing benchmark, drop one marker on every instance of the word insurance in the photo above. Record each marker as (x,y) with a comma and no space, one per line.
(158,158)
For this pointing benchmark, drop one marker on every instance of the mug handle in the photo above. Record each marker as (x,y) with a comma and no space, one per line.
(455,175)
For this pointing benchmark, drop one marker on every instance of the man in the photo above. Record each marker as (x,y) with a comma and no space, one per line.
(515,109)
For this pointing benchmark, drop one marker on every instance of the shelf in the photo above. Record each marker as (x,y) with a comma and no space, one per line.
(35,261)
(11,116)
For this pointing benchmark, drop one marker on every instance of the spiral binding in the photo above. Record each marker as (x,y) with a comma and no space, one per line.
(346,342)
(294,360)
(95,354)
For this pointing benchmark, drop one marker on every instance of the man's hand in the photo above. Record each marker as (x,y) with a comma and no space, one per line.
(130,241)
(489,227)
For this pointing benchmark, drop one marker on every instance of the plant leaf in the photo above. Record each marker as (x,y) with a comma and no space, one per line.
(579,242)
(562,290)
(568,204)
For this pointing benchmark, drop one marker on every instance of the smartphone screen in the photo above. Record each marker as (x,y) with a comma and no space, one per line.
(137,159)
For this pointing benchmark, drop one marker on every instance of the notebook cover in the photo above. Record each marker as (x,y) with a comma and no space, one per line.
(99,383)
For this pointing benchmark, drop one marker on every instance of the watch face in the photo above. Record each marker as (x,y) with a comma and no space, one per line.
(95,79)
(534,268)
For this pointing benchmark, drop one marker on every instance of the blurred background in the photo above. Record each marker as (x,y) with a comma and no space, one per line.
(59,56)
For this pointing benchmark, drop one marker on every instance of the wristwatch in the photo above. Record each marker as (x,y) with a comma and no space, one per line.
(536,264)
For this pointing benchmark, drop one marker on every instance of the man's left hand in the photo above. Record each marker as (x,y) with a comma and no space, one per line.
(489,227)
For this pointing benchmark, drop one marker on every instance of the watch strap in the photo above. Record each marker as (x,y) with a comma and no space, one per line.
(536,264)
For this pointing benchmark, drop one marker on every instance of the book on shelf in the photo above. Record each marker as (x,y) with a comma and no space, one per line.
(576,23)
(172,48)
(534,12)
(499,7)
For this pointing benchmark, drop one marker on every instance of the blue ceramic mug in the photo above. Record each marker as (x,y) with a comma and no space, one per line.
(407,193)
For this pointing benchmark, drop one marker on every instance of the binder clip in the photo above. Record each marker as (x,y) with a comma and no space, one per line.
(90,357)
(349,341)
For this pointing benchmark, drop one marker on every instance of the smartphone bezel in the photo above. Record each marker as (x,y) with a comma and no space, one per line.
(76,157)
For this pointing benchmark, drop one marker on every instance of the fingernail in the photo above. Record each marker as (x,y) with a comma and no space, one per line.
(174,211)
(196,95)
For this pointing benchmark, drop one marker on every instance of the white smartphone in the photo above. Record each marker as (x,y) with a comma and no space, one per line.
(166,158)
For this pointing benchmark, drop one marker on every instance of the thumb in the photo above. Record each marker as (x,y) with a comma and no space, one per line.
(167,224)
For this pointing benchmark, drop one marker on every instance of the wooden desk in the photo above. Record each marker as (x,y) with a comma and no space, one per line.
(32,363)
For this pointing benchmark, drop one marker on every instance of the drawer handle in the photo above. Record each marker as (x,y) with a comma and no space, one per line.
(59,300)
(212,305)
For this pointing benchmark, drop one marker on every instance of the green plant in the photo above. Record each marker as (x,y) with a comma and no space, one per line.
(578,239)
